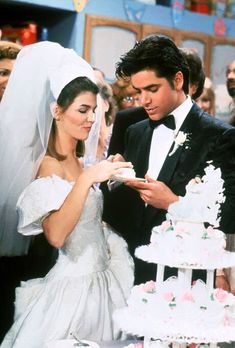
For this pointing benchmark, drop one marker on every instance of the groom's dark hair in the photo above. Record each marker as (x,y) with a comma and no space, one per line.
(157,53)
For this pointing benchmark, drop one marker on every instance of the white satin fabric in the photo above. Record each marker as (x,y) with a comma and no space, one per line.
(92,277)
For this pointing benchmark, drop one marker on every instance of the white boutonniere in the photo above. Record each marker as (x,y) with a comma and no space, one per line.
(181,139)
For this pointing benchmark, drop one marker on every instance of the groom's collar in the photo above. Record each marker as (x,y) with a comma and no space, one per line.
(181,112)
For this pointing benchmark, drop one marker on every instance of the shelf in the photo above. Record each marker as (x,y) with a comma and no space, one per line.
(58,16)
(65,5)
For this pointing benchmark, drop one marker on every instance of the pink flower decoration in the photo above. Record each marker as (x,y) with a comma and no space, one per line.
(220,295)
(180,231)
(169,296)
(165,225)
(220,28)
(210,231)
(187,296)
(227,321)
(139,344)
(150,286)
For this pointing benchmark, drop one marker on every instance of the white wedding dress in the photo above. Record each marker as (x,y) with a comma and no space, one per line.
(92,277)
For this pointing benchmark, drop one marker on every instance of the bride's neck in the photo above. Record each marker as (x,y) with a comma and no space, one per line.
(66,147)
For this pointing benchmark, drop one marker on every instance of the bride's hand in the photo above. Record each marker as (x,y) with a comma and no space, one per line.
(104,170)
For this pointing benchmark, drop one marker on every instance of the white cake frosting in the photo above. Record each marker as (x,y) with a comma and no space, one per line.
(127,173)
(189,243)
(170,312)
(174,310)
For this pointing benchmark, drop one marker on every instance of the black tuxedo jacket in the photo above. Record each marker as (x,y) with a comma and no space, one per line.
(123,120)
(210,140)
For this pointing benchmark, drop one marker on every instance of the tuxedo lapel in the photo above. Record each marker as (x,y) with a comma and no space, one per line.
(189,127)
(143,158)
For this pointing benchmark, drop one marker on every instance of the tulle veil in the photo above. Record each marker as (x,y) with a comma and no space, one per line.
(39,74)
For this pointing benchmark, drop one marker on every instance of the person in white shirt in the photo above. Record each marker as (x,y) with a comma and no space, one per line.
(169,148)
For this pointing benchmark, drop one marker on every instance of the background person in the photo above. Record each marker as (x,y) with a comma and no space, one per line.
(124,94)
(230,83)
(8,54)
(206,100)
(196,72)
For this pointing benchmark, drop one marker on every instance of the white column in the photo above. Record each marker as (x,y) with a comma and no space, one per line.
(146,342)
(210,279)
(185,277)
(160,274)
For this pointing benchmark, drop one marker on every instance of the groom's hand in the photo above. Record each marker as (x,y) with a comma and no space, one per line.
(154,193)
(116,158)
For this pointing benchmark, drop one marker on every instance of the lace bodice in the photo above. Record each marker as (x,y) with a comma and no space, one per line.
(86,244)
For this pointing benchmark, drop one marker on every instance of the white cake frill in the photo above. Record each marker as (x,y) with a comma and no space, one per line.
(170,313)
(190,244)
(175,311)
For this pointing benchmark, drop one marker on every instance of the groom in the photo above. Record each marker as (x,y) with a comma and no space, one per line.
(169,148)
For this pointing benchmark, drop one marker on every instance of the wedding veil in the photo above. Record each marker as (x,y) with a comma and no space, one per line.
(39,74)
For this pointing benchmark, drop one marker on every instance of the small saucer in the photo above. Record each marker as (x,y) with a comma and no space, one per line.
(123,178)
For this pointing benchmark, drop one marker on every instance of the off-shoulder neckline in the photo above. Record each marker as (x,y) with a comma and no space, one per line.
(59,177)
(56,176)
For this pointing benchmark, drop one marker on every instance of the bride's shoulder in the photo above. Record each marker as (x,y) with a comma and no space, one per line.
(50,166)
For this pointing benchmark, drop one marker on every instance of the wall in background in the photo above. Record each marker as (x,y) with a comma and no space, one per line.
(67,27)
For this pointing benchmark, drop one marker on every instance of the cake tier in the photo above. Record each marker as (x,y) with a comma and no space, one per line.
(187,245)
(171,313)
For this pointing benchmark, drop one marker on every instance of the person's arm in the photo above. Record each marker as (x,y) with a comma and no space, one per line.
(59,224)
(221,280)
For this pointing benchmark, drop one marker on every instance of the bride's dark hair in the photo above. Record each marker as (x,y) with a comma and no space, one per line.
(67,95)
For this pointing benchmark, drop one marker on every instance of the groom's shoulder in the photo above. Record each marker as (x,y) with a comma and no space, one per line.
(209,122)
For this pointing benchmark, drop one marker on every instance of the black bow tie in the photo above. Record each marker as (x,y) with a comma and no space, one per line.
(168,121)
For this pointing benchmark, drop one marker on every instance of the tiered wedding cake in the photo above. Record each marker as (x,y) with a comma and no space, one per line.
(176,311)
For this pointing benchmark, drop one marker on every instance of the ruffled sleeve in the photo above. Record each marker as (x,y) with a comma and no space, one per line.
(41,197)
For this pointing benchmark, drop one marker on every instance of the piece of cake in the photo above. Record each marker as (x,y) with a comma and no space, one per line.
(127,173)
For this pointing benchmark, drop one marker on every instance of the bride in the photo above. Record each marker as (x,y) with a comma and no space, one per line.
(57,196)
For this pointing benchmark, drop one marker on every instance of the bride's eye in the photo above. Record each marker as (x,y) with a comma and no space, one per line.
(83,110)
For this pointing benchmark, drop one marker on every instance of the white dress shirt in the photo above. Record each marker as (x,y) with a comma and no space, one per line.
(163,138)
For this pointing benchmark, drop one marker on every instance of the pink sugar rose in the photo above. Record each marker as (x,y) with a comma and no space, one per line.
(165,225)
(150,286)
(169,296)
(227,321)
(188,296)
(220,295)
(139,344)
(180,231)
(211,231)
